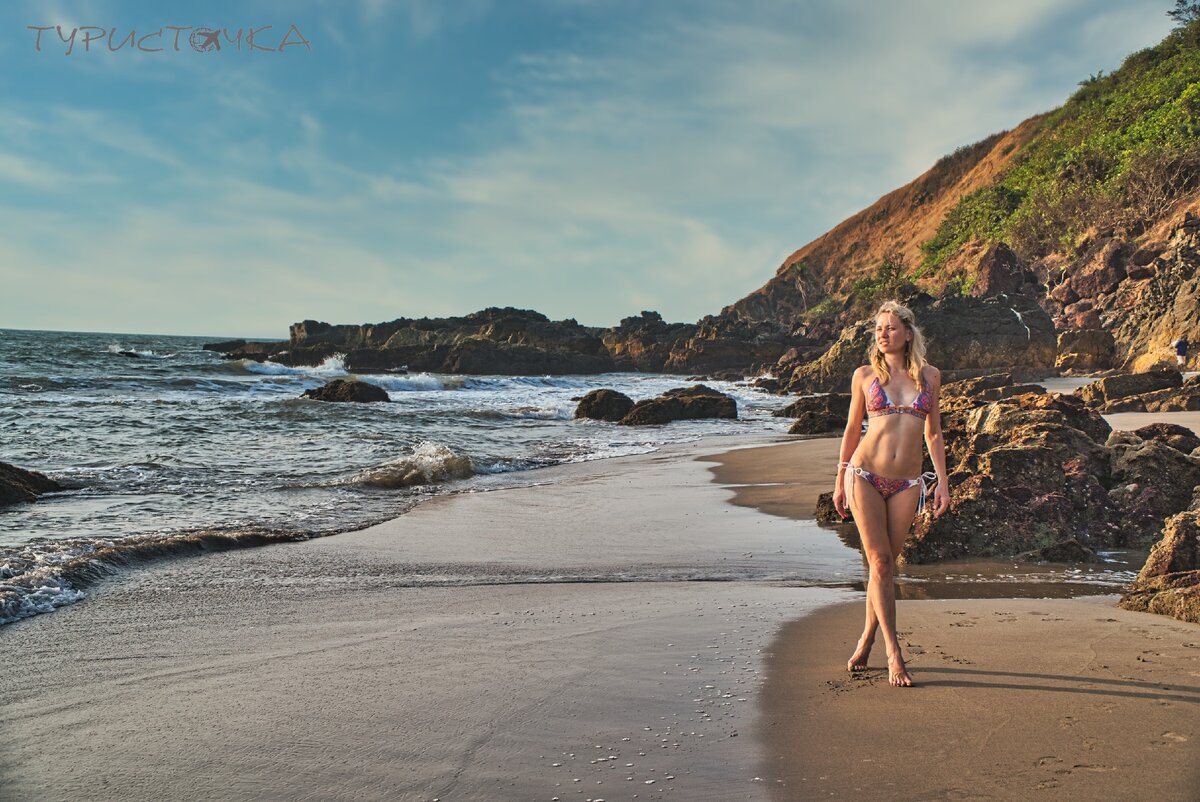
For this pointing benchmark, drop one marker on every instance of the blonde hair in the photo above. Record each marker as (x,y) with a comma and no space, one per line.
(914,352)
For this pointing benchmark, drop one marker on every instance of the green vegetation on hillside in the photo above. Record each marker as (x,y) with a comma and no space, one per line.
(1119,152)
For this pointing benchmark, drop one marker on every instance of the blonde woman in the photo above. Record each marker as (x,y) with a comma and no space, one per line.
(874,468)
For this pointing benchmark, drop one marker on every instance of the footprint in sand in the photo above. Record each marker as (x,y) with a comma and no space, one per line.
(1174,736)
(1066,722)
(1049,760)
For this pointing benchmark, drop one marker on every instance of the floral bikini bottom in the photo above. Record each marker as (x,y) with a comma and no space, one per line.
(890,487)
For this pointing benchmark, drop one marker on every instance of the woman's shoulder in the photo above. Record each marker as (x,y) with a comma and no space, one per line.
(930,373)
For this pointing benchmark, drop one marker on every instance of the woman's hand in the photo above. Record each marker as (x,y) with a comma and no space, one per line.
(839,500)
(941,500)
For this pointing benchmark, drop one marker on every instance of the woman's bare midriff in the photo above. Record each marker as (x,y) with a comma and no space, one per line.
(891,446)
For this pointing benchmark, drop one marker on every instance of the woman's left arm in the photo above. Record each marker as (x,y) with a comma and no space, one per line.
(935,444)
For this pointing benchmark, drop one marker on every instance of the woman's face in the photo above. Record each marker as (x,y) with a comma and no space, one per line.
(890,333)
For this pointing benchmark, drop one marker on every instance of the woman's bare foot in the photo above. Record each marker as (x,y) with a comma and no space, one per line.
(858,661)
(897,673)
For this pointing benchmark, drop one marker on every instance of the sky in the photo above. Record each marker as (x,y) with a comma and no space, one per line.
(589,159)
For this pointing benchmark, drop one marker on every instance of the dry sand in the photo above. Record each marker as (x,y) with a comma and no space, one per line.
(1014,699)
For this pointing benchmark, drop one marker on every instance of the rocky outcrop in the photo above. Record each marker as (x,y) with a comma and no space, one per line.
(726,342)
(18,485)
(224,345)
(1085,350)
(1169,582)
(1027,472)
(1143,291)
(1151,478)
(683,403)
(1067,551)
(347,390)
(644,343)
(1111,388)
(494,340)
(818,414)
(961,332)
(604,404)
(970,393)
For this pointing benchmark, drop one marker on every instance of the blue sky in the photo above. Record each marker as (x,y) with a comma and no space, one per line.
(585,158)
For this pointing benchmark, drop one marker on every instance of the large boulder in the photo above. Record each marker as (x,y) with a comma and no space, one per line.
(604,404)
(347,390)
(681,403)
(1111,388)
(1025,473)
(818,414)
(1151,479)
(1169,582)
(1085,350)
(18,485)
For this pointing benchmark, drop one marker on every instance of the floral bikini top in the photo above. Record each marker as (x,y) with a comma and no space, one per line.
(878,402)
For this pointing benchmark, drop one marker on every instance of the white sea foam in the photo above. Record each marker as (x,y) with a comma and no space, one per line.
(411,382)
(332,367)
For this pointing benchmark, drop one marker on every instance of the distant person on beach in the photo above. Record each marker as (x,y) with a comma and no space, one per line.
(1181,348)
(883,506)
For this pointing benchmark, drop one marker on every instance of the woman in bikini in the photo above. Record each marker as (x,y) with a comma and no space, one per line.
(883,506)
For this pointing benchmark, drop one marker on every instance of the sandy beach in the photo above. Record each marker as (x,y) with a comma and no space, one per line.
(467,650)
(457,652)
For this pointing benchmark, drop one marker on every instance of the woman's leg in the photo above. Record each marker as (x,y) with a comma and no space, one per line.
(901,509)
(870,514)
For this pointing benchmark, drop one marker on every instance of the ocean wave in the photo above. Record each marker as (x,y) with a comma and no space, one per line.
(38,579)
(401,383)
(430,463)
(333,366)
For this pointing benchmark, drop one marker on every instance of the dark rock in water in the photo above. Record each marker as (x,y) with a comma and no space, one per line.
(1180,438)
(1169,582)
(224,345)
(129,353)
(1066,551)
(681,403)
(259,351)
(1110,388)
(19,485)
(1150,481)
(767,384)
(348,390)
(604,404)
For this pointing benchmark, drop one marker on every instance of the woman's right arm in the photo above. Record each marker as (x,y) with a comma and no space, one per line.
(850,438)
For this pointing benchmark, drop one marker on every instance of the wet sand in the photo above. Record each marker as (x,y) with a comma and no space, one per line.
(460,651)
